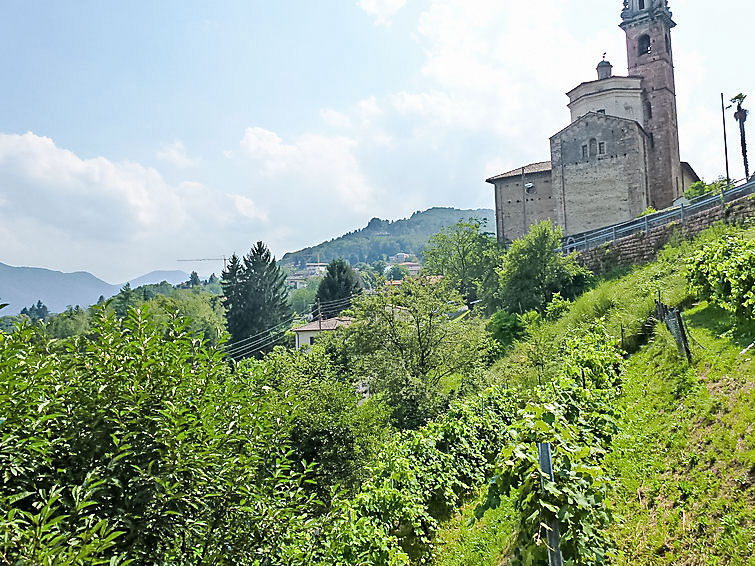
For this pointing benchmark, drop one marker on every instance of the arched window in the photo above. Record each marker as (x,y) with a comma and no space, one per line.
(593,147)
(642,4)
(644,45)
(648,110)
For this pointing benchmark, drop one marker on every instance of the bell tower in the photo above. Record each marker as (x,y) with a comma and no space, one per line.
(648,24)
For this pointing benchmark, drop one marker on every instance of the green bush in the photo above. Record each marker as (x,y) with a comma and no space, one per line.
(723,272)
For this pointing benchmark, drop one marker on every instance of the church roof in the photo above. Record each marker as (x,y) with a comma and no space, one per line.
(539,167)
(601,116)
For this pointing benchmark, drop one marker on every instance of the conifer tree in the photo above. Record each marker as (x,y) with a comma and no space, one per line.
(256,302)
(337,287)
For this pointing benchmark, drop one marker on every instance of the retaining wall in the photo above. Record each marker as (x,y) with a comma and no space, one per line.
(643,247)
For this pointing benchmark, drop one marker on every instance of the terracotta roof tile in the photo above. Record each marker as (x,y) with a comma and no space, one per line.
(539,167)
(328,324)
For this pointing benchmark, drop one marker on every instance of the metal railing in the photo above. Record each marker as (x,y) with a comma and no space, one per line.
(594,238)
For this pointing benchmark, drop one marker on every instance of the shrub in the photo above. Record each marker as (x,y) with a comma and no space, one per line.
(723,272)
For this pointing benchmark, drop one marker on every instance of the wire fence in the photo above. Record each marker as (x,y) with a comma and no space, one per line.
(595,238)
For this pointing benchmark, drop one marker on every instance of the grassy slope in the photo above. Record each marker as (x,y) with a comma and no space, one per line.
(684,488)
(685,462)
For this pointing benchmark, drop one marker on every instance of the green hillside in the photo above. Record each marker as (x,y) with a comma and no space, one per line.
(148,445)
(383,238)
(682,460)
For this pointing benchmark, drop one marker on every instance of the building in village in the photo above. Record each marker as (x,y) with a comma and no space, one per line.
(620,153)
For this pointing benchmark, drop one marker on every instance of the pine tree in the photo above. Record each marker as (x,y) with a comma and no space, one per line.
(256,302)
(337,287)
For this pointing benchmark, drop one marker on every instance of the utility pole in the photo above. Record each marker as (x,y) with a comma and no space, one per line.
(524,206)
(726,143)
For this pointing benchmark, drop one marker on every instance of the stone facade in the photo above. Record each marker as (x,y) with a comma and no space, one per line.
(600,164)
(619,155)
(522,198)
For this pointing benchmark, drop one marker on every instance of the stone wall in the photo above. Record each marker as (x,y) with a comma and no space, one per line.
(643,247)
(517,208)
(599,173)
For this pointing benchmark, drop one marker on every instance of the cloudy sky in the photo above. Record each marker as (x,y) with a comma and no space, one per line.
(136,133)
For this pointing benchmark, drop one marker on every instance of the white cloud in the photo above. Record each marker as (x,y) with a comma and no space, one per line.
(326,164)
(248,208)
(88,195)
(175,154)
(97,214)
(335,119)
(382,10)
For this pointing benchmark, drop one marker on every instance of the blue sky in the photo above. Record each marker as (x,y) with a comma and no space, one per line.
(136,133)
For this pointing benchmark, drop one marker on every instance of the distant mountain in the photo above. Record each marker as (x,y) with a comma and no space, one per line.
(383,238)
(173,277)
(23,286)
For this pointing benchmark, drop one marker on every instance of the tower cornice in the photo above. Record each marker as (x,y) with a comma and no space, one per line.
(657,9)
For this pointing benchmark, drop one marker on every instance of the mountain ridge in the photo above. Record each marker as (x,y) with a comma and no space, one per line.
(22,286)
(383,238)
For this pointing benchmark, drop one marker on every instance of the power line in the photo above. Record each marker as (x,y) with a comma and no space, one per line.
(253,336)
(265,337)
(253,348)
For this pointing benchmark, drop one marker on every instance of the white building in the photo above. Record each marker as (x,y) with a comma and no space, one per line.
(306,335)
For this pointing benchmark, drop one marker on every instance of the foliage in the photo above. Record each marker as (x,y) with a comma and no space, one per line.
(337,288)
(381,239)
(255,297)
(467,256)
(36,312)
(404,345)
(331,426)
(137,438)
(533,271)
(397,273)
(724,273)
(577,415)
(506,328)
(557,307)
(303,300)
(701,188)
(648,211)
(418,478)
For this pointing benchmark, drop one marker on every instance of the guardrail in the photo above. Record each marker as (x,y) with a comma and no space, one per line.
(594,238)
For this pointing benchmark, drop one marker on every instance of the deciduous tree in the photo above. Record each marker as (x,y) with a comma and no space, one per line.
(534,270)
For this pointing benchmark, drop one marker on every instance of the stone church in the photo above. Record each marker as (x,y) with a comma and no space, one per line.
(619,155)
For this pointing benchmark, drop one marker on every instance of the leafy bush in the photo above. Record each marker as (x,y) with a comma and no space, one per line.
(575,413)
(420,477)
(533,271)
(505,328)
(724,273)
(701,188)
(136,442)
